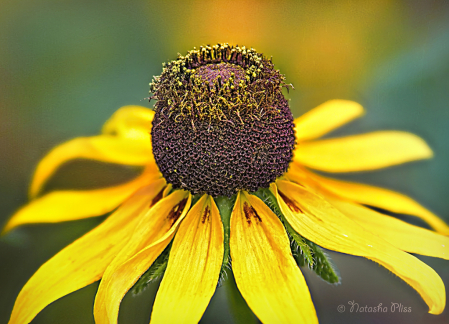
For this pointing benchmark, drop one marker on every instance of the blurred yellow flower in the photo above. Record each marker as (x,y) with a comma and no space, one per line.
(150,211)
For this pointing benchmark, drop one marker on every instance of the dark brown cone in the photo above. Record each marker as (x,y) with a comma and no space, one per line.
(219,128)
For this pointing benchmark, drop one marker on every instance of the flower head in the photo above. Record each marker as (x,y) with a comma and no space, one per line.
(221,122)
(223,180)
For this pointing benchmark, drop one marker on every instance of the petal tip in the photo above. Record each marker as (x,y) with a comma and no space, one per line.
(9,226)
(5,230)
(325,118)
(423,148)
(437,309)
(349,104)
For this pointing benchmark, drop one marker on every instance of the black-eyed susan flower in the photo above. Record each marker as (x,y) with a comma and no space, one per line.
(227,177)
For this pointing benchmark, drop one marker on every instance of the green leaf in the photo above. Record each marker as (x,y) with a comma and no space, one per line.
(305,252)
(153,273)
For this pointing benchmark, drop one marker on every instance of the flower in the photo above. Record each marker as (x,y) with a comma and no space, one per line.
(223,180)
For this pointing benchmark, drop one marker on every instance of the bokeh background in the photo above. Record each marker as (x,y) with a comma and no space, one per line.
(66,66)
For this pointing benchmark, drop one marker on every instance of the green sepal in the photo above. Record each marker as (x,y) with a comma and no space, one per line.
(225,206)
(154,272)
(324,266)
(305,252)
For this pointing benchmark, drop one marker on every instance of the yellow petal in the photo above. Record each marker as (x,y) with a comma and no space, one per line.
(264,269)
(325,118)
(404,236)
(299,174)
(60,206)
(193,268)
(104,148)
(381,198)
(151,236)
(362,152)
(83,261)
(130,121)
(318,221)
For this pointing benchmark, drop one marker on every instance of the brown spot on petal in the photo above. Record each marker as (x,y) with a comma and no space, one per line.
(157,197)
(177,211)
(206,215)
(250,212)
(290,203)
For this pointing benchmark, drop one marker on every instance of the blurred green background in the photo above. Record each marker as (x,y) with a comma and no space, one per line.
(66,66)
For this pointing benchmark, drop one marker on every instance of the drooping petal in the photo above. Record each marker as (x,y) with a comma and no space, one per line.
(317,220)
(325,118)
(84,261)
(130,121)
(362,152)
(263,266)
(404,236)
(104,148)
(151,236)
(193,268)
(381,198)
(60,206)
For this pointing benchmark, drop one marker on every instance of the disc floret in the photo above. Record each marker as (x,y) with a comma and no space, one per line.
(222,123)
